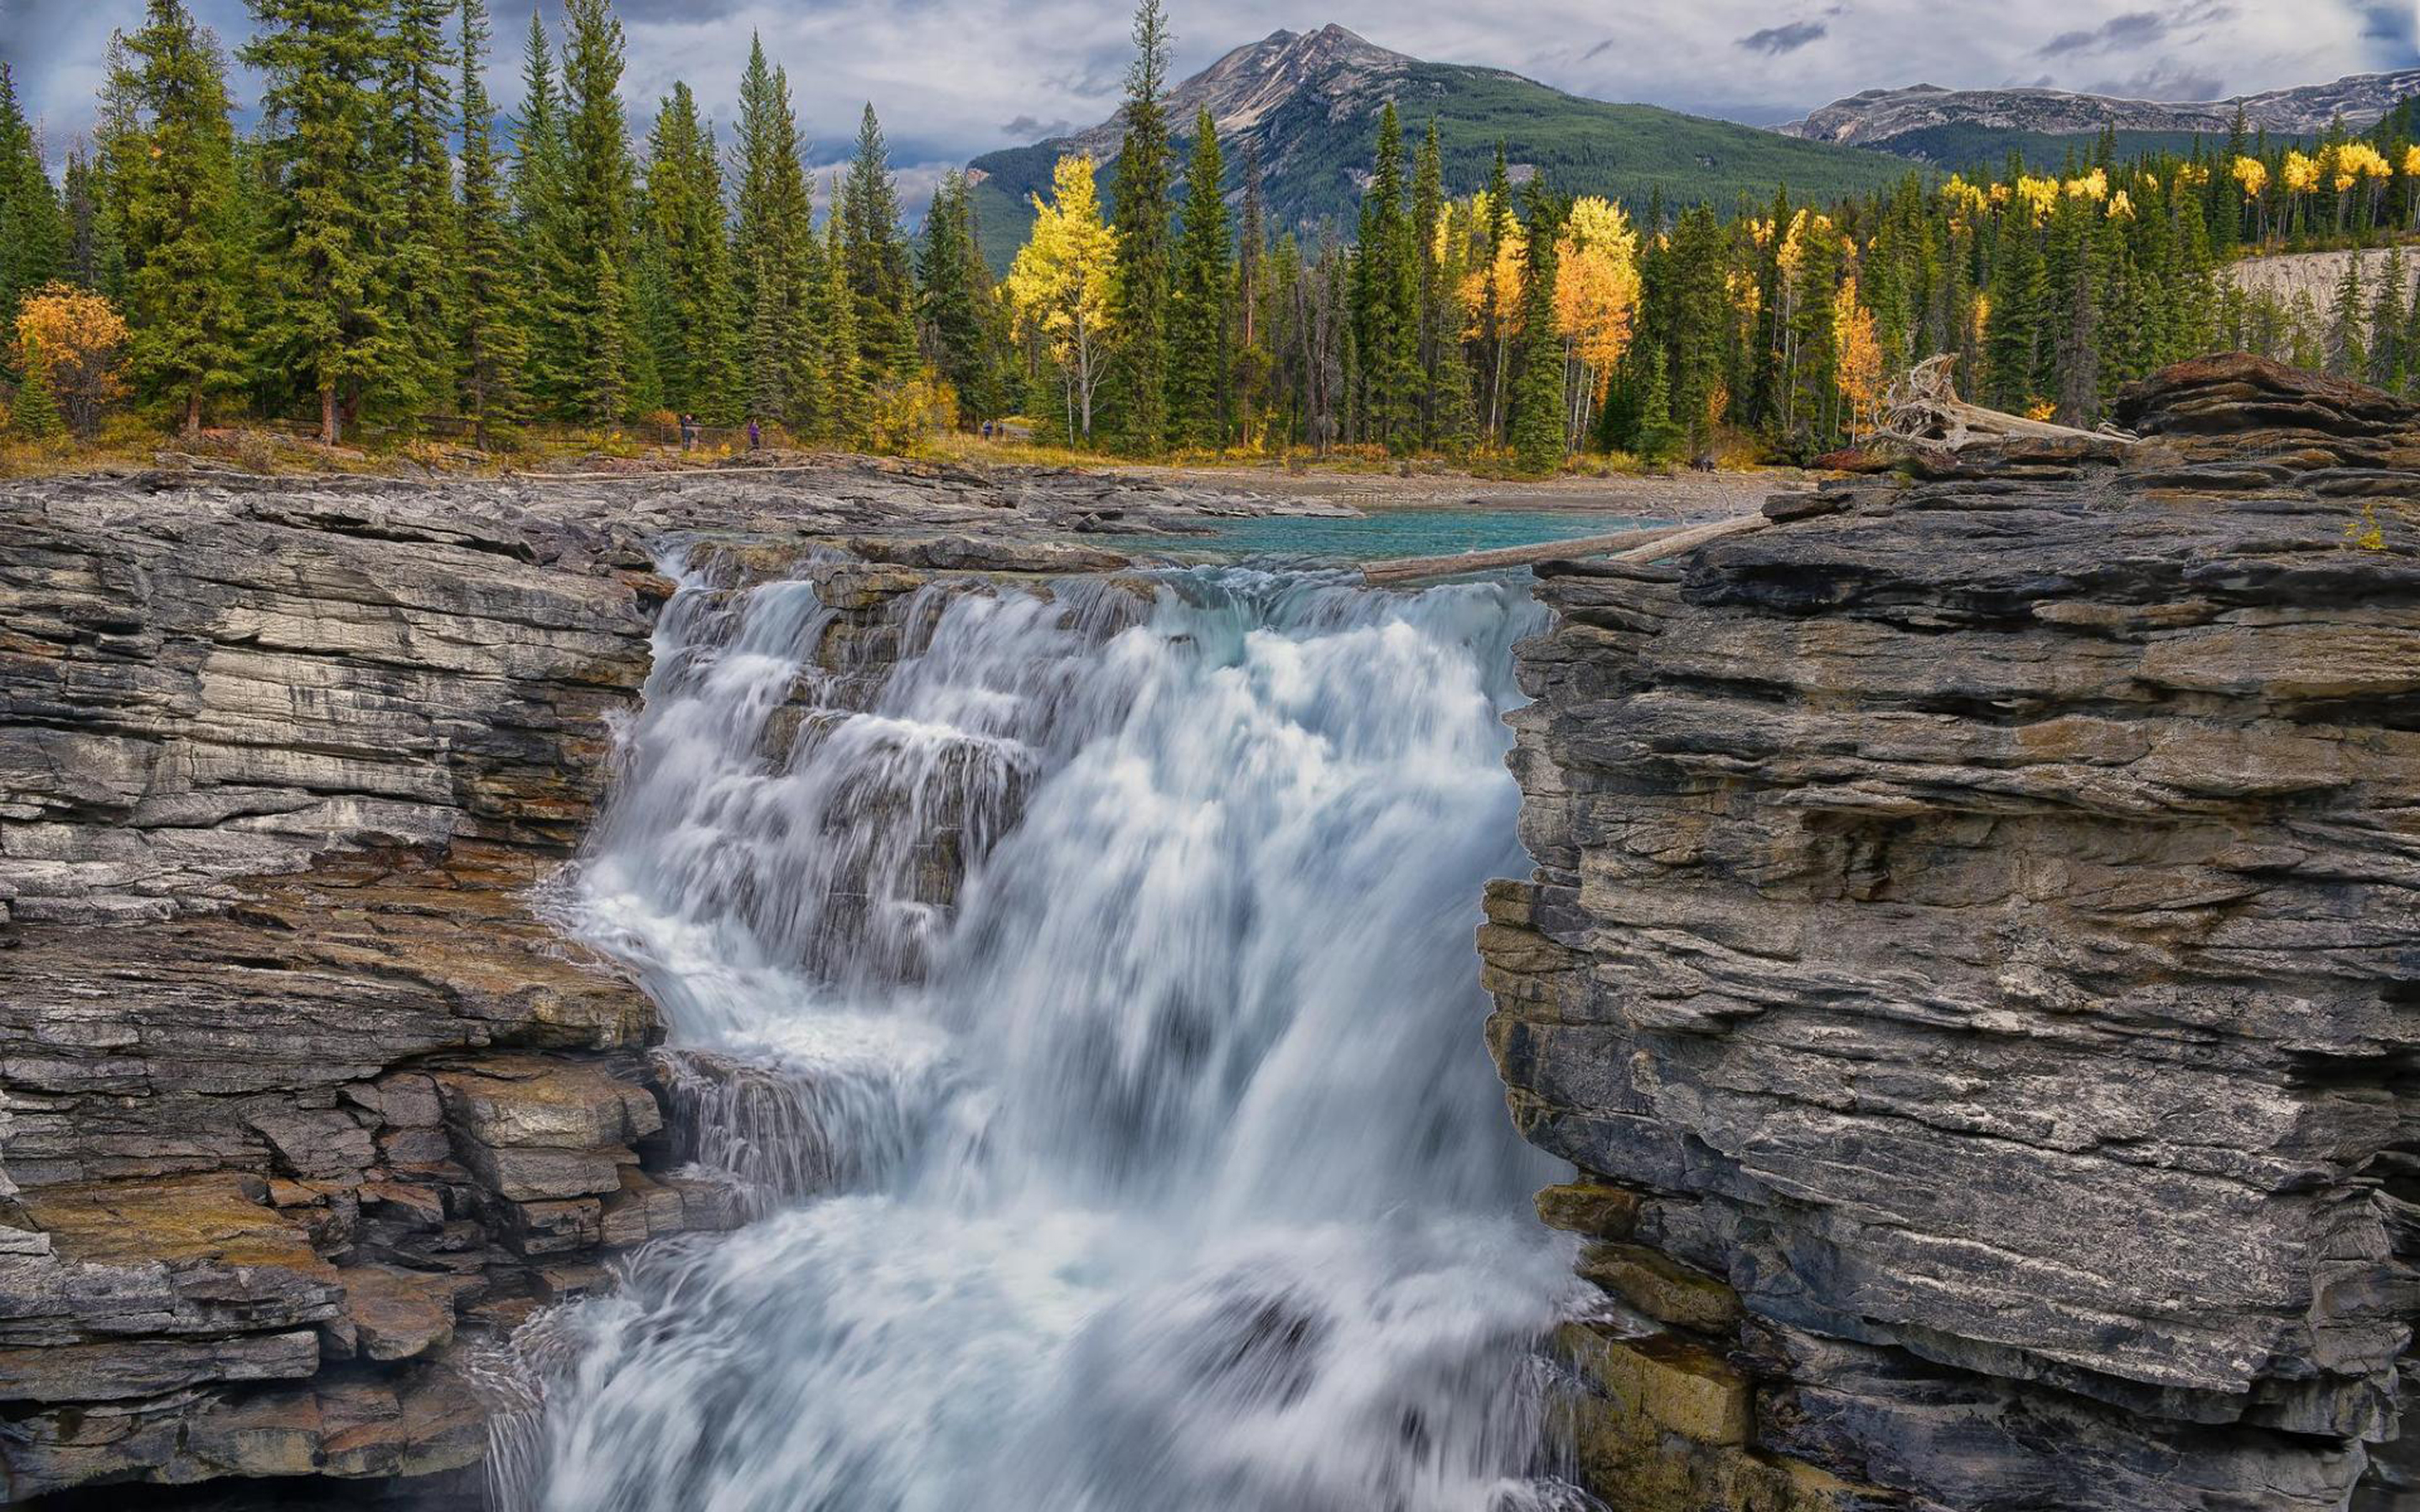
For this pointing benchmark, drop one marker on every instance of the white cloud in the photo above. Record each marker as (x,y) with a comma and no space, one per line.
(948,76)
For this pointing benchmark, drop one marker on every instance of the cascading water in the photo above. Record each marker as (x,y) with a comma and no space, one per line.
(1089,1004)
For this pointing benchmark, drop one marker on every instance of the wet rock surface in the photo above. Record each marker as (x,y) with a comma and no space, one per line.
(303,1104)
(1975,929)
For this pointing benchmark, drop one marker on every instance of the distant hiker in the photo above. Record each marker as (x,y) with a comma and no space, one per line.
(689,432)
(755,437)
(987,430)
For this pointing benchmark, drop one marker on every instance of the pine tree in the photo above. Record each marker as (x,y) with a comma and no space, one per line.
(424,255)
(1386,298)
(2390,360)
(494,354)
(33,229)
(1699,318)
(598,194)
(958,303)
(183,264)
(329,318)
(1537,421)
(780,275)
(80,204)
(877,259)
(542,210)
(1656,434)
(1445,413)
(845,380)
(1495,321)
(1142,203)
(1253,367)
(1201,291)
(2345,356)
(2019,292)
(697,357)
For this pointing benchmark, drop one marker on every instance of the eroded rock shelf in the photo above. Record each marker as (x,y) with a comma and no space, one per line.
(1970,964)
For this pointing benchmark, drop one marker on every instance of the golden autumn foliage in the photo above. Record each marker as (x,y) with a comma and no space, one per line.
(1065,279)
(1596,287)
(2301,174)
(1504,278)
(70,340)
(1860,359)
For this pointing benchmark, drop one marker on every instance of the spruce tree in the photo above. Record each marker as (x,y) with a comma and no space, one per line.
(1445,413)
(955,295)
(1386,298)
(423,255)
(1656,434)
(2389,360)
(877,259)
(2347,323)
(779,278)
(80,203)
(329,320)
(1537,420)
(1254,365)
(696,341)
(33,229)
(183,311)
(542,210)
(598,194)
(1141,200)
(1495,321)
(844,382)
(494,354)
(1201,291)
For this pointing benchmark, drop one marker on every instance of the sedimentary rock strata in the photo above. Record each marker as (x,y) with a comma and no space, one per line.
(301,1104)
(1970,963)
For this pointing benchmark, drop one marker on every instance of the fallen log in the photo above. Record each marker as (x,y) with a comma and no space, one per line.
(1415,569)
(1647,542)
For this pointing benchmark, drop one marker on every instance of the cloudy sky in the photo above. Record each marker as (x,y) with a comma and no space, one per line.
(953,78)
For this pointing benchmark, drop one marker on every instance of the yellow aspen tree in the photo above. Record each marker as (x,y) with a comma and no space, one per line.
(2251,176)
(1063,284)
(1861,358)
(1596,301)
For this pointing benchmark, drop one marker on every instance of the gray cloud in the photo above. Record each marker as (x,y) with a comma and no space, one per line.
(2135,28)
(2163,80)
(956,78)
(1776,41)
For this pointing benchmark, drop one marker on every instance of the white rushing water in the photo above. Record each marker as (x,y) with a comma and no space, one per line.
(1157,1167)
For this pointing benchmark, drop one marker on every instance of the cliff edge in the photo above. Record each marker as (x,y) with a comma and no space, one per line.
(1971,963)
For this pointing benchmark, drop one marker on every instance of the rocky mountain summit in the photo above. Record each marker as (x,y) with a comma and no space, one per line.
(1881,118)
(1305,104)
(1969,964)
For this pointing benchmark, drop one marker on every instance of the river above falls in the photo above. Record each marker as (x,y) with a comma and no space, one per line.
(1404,531)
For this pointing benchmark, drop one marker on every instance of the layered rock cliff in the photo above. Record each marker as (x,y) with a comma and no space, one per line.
(1971,965)
(303,1102)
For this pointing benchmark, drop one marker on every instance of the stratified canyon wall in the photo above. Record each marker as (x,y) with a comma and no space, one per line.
(1974,963)
(302,1107)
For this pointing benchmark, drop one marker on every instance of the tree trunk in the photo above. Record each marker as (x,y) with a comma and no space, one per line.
(192,413)
(328,424)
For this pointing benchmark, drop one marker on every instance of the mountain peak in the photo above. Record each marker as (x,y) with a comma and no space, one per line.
(1877,118)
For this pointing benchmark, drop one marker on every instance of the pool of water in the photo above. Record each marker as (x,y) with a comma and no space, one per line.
(1393,533)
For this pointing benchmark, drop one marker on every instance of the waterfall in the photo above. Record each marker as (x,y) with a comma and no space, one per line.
(1083,991)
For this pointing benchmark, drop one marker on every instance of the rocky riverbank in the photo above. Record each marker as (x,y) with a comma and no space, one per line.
(302,1107)
(1970,965)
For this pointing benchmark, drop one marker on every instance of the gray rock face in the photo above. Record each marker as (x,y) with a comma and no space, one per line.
(1876,116)
(1975,925)
(300,1106)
